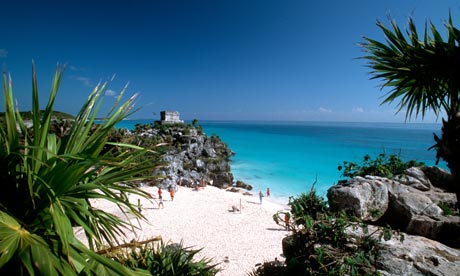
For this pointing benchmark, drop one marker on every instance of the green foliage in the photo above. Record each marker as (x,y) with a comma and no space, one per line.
(375,213)
(449,209)
(195,122)
(383,165)
(28,115)
(164,260)
(200,130)
(215,137)
(422,73)
(48,179)
(166,127)
(320,242)
(307,205)
(271,268)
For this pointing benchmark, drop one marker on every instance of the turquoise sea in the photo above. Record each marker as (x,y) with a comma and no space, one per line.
(288,157)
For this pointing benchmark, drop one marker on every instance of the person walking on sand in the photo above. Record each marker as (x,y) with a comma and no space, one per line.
(268,192)
(261,195)
(171,193)
(160,193)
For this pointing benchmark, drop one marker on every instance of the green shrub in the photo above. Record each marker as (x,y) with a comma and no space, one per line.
(307,204)
(449,209)
(383,165)
(164,260)
(320,244)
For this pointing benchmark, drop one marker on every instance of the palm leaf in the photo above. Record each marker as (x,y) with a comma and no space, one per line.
(51,180)
(33,252)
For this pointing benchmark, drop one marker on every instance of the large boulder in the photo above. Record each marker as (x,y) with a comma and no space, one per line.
(415,177)
(361,197)
(242,184)
(410,202)
(415,255)
(222,180)
(403,207)
(293,246)
(442,228)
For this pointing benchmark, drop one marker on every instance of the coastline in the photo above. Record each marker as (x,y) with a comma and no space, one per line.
(204,219)
(288,157)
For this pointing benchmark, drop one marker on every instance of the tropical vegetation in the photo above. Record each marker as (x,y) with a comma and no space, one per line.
(319,242)
(422,74)
(50,174)
(383,165)
(164,259)
(27,115)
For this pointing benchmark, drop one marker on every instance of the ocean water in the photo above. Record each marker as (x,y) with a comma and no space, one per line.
(289,157)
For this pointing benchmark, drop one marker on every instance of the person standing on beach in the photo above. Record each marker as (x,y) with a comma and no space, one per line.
(139,205)
(160,193)
(171,193)
(261,195)
(268,192)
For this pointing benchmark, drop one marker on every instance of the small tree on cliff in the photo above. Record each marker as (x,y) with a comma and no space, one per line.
(423,74)
(194,122)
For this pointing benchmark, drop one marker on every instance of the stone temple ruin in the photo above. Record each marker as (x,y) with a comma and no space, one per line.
(170,117)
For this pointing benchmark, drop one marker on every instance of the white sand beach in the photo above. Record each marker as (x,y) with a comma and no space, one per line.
(203,219)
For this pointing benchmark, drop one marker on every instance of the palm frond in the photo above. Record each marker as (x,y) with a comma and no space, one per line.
(50,181)
(419,73)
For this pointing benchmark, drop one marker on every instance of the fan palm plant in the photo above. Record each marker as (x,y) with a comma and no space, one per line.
(48,181)
(423,74)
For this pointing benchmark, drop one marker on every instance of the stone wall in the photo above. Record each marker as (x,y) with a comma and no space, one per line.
(170,117)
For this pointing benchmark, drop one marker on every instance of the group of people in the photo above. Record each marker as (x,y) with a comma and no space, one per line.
(172,192)
(261,195)
(287,215)
(201,185)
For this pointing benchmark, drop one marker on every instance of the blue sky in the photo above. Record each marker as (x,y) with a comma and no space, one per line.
(210,59)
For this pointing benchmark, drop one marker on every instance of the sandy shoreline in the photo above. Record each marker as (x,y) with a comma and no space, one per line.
(202,219)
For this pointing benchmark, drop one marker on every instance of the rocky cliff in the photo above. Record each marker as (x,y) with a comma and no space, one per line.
(190,157)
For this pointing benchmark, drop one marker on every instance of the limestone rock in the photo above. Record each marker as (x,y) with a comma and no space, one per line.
(449,199)
(191,157)
(209,152)
(412,202)
(404,207)
(442,228)
(241,184)
(200,165)
(416,256)
(416,176)
(362,198)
